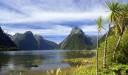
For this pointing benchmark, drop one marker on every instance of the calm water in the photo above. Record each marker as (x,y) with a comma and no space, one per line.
(37,60)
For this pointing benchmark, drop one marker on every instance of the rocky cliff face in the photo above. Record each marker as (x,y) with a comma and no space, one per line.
(5,41)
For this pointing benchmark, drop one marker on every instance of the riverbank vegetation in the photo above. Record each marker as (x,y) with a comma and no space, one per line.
(112,52)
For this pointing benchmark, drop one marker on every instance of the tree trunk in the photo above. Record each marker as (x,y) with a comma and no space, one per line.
(105,49)
(104,52)
(118,42)
(117,45)
(97,54)
(118,72)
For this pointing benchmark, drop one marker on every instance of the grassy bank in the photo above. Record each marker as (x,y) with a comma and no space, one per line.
(81,70)
(81,61)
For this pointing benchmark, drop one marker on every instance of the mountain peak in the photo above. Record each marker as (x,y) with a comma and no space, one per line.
(30,41)
(76,30)
(28,33)
(1,31)
(76,40)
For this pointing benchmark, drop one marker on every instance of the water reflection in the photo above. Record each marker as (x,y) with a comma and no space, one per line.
(3,60)
(24,62)
(38,60)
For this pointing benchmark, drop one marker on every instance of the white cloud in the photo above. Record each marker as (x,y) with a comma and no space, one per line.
(55,30)
(40,16)
(87,28)
(91,29)
(37,10)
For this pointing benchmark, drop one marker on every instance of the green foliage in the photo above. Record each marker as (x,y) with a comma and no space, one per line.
(81,54)
(115,69)
(114,7)
(118,18)
(121,53)
(99,24)
(81,61)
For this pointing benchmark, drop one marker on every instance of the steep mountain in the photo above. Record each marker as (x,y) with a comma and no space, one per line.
(44,44)
(5,42)
(76,40)
(28,41)
(25,41)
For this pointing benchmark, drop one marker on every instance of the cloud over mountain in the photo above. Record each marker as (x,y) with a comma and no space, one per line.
(51,17)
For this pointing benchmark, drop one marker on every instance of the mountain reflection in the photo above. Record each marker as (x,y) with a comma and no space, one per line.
(19,62)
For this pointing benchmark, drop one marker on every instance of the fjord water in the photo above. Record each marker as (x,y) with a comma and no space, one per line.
(39,60)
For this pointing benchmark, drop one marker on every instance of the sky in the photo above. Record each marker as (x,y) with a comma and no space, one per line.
(53,19)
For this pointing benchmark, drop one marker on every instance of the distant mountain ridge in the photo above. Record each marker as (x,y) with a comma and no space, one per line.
(76,40)
(25,41)
(29,41)
(5,42)
(45,44)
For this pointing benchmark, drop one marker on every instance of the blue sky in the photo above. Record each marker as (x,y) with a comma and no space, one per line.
(52,19)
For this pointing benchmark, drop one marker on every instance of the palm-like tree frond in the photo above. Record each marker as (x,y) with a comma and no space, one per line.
(119,12)
(114,7)
(99,23)
(119,18)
